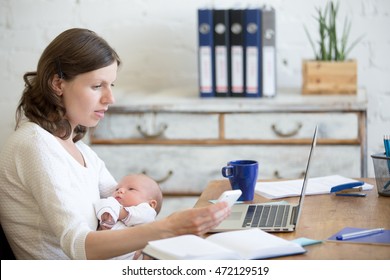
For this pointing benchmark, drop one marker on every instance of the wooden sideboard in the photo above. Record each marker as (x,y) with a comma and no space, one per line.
(182,140)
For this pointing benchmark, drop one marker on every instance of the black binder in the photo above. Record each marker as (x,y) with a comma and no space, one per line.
(237,53)
(221,53)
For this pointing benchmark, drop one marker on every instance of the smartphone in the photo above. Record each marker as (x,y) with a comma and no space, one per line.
(230,197)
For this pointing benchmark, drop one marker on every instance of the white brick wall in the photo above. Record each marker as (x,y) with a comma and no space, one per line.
(157,42)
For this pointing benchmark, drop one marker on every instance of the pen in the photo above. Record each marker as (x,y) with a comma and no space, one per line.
(387,184)
(351,194)
(386,142)
(359,234)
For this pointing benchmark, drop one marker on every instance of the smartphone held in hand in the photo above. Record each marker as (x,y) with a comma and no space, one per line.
(230,196)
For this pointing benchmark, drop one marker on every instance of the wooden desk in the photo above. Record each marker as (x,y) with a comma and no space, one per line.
(324,215)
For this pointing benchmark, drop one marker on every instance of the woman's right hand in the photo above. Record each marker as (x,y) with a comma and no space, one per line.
(197,221)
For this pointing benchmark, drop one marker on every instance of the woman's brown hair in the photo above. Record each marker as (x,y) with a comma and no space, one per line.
(73,52)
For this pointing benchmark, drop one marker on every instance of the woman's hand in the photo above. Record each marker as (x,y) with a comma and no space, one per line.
(110,243)
(198,220)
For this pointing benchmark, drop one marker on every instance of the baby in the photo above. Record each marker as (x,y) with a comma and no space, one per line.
(136,200)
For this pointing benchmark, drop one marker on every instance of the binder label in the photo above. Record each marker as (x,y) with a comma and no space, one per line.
(206,83)
(269,81)
(221,69)
(237,62)
(252,73)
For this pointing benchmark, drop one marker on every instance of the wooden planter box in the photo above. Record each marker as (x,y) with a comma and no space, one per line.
(329,77)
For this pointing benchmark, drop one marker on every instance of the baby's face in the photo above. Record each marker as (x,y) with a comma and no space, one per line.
(132,190)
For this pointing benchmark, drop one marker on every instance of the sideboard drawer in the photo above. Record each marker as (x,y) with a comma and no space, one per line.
(291,125)
(158,126)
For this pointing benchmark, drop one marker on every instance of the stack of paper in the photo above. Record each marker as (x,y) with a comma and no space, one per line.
(319,185)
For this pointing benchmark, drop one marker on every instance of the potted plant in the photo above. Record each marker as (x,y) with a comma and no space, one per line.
(330,72)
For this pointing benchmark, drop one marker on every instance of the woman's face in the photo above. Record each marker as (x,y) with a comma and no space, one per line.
(87,96)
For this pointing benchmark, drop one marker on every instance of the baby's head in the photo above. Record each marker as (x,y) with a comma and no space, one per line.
(137,188)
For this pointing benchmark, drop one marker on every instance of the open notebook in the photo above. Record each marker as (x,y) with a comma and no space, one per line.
(233,245)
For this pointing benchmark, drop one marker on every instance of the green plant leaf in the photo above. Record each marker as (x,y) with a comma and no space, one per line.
(331,47)
(311,42)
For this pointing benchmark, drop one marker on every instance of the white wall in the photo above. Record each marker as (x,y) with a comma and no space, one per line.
(157,41)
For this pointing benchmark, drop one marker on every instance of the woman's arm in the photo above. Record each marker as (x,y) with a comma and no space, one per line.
(110,243)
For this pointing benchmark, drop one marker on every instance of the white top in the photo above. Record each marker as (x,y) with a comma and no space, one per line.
(46,196)
(139,214)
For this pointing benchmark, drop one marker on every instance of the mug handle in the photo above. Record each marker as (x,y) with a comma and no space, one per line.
(227,171)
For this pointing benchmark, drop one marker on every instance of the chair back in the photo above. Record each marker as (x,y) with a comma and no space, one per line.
(5,250)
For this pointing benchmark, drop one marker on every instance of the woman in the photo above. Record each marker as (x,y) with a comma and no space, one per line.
(49,179)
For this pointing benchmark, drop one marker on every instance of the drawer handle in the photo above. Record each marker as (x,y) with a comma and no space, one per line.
(277,175)
(158,134)
(287,134)
(162,180)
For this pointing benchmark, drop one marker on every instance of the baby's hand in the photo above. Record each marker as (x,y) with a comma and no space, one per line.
(139,256)
(107,221)
(107,211)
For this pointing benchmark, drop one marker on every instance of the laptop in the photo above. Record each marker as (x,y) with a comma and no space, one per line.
(270,217)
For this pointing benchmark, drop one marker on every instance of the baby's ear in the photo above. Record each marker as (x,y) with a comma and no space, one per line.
(153,203)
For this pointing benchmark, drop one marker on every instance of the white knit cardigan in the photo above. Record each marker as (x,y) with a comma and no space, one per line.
(46,196)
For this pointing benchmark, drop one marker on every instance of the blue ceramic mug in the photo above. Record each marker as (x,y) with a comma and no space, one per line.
(242,175)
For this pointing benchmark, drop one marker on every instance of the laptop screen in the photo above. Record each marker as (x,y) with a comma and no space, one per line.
(306,176)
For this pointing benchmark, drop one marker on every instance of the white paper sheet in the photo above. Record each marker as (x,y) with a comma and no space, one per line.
(288,188)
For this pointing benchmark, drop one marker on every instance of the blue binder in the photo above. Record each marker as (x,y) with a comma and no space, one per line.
(253,52)
(206,53)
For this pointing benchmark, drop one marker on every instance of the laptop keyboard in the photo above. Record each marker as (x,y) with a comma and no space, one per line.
(266,216)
